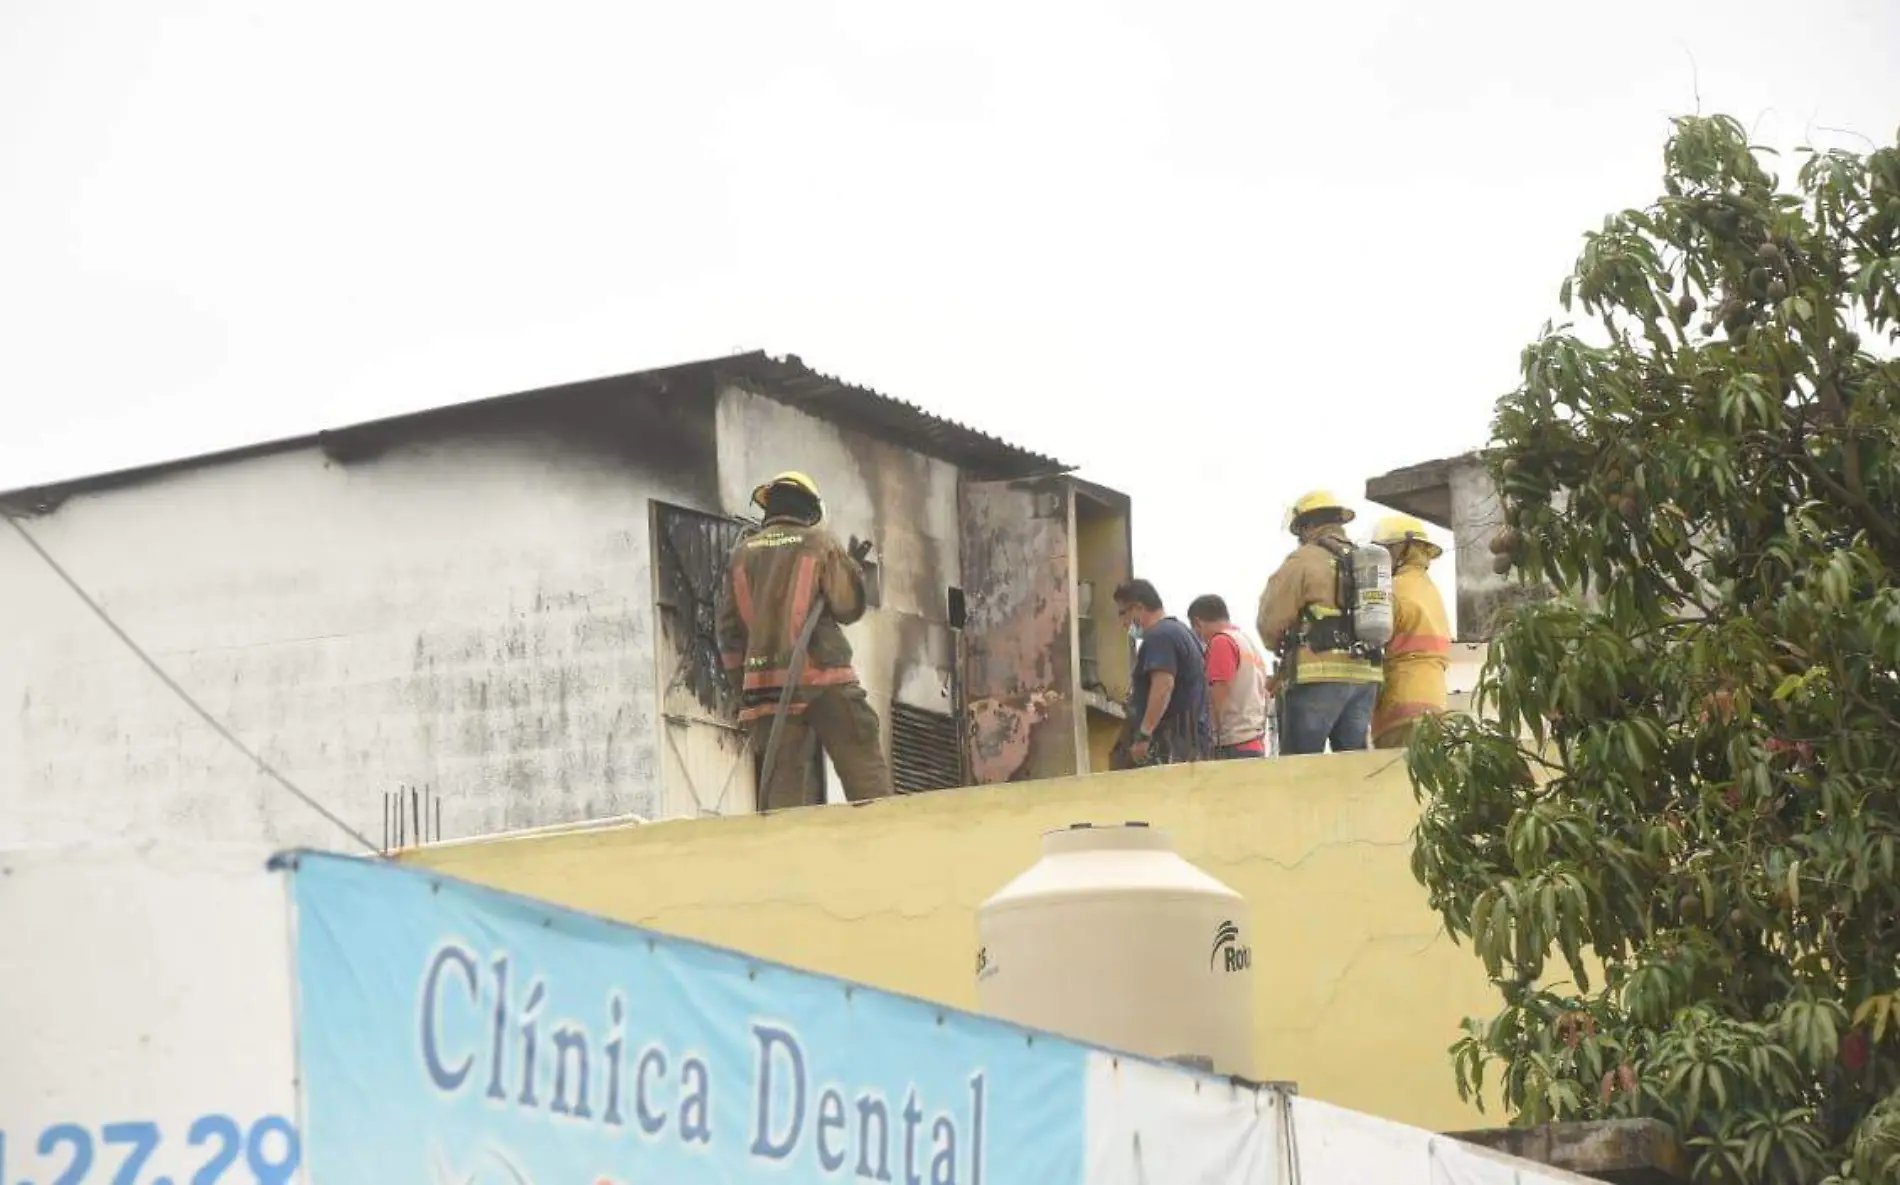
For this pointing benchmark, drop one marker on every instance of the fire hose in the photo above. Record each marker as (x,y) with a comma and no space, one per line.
(792,676)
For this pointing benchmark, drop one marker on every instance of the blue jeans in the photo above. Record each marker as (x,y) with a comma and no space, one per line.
(1320,712)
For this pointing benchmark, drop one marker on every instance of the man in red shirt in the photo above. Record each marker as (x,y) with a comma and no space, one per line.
(1236,680)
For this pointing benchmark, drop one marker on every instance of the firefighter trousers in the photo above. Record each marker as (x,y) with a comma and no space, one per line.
(842,720)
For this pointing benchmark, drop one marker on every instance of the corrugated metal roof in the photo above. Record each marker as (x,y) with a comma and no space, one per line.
(789,381)
(785,380)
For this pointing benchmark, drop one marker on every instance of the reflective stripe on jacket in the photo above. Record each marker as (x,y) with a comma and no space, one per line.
(1420,651)
(775,578)
(1306,587)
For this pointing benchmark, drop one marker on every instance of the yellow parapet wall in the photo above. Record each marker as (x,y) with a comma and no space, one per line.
(1359,992)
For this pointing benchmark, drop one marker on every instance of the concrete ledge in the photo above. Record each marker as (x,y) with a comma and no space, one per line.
(1624,1151)
(1422,490)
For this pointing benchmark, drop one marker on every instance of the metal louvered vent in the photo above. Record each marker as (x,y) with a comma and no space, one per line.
(925,754)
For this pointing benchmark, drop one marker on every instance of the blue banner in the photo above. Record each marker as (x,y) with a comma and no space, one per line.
(457,1035)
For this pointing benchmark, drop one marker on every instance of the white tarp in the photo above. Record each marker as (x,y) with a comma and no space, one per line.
(1333,1146)
(1150,1123)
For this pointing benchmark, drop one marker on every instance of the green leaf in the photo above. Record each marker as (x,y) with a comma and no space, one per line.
(1708,685)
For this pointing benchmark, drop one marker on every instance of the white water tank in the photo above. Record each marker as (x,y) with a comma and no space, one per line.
(1113,939)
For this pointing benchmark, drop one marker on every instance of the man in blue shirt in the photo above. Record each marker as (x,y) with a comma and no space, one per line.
(1167,709)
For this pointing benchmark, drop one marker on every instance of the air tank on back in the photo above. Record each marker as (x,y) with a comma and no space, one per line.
(1372,594)
(1112,938)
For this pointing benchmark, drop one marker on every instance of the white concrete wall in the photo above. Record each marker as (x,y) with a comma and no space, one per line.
(905,502)
(141,984)
(474,614)
(1477,516)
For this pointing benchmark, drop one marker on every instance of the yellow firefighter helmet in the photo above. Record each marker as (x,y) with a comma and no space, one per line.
(1315,502)
(794,479)
(1396,529)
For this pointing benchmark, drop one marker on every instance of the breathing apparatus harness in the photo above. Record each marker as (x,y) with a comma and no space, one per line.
(1335,632)
(1339,632)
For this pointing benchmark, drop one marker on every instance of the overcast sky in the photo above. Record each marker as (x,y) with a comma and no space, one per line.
(1215,254)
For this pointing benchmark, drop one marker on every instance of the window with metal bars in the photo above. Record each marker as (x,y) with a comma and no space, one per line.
(690,553)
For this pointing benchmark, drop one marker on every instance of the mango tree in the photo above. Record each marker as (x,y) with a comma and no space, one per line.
(1672,831)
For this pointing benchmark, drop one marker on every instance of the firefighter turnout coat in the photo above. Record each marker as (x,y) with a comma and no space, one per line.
(776,577)
(1419,653)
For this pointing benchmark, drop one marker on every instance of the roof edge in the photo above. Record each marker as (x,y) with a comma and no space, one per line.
(826,396)
(788,380)
(35,500)
(1422,490)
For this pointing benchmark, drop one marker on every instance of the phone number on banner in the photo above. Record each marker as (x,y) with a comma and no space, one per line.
(219,1151)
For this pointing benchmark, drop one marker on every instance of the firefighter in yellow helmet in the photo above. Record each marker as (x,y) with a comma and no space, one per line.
(1326,681)
(1420,650)
(791,586)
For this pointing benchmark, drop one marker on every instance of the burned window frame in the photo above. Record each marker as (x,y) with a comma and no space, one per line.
(690,581)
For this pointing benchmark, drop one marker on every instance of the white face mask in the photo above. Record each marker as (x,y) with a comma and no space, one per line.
(1134,631)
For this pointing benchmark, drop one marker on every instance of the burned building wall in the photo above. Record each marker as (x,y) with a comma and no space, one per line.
(1019,644)
(467,607)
